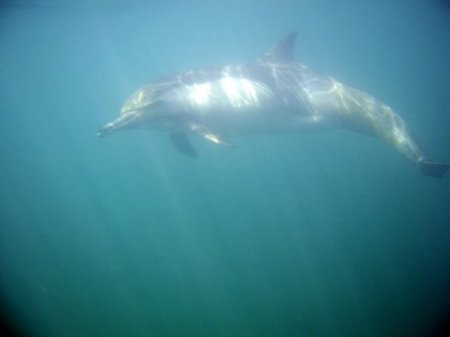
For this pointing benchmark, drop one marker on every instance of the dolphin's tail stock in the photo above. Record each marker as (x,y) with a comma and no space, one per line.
(433,169)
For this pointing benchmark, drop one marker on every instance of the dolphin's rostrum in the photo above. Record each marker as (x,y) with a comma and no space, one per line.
(271,95)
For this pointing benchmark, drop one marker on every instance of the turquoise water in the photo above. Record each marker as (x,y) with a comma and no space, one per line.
(327,234)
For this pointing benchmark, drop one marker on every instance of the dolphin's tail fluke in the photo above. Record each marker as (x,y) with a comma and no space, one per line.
(433,169)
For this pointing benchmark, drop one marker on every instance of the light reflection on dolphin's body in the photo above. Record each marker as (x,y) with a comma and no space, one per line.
(271,95)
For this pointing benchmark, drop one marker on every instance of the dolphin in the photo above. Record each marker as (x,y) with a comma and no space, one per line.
(274,94)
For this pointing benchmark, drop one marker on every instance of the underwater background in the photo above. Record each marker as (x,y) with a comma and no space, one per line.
(318,234)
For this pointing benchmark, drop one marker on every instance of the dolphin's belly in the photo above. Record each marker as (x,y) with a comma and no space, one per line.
(260,121)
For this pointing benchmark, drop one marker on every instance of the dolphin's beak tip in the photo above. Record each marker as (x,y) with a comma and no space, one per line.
(105,130)
(100,133)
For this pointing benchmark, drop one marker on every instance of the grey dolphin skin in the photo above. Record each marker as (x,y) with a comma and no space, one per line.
(274,94)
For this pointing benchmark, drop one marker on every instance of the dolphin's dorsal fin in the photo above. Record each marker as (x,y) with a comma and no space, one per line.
(283,51)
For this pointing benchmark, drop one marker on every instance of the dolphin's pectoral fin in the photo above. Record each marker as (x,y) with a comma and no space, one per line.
(433,169)
(181,142)
(204,132)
